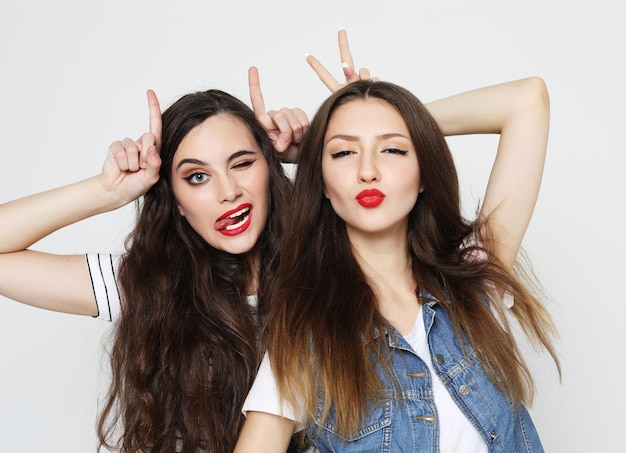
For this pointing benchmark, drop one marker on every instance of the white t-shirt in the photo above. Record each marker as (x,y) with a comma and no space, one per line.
(103,269)
(264,396)
(457,434)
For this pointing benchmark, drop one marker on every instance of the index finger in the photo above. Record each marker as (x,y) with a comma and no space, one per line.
(256,95)
(155,116)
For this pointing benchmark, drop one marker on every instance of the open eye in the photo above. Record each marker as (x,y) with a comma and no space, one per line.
(197,178)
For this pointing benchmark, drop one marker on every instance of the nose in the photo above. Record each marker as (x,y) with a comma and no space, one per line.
(227,189)
(368,170)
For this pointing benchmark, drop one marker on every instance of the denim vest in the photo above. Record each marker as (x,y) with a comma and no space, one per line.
(408,422)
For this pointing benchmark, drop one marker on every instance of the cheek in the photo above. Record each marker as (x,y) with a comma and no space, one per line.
(192,201)
(333,181)
(410,174)
(327,178)
(259,186)
(325,187)
(264,181)
(177,196)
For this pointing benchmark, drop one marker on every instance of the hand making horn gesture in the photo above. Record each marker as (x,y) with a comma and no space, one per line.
(285,127)
(132,166)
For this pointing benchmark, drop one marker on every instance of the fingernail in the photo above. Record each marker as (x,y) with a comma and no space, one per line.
(341,28)
(346,70)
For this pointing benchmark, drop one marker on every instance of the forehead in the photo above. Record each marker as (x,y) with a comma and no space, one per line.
(216,138)
(370,116)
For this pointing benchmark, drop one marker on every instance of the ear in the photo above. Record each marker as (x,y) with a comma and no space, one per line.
(180,210)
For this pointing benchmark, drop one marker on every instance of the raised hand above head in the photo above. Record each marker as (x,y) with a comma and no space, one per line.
(132,166)
(347,63)
(285,127)
(63,281)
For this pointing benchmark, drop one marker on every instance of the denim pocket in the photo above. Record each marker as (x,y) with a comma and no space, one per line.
(373,433)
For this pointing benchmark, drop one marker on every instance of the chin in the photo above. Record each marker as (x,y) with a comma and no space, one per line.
(237,250)
(237,246)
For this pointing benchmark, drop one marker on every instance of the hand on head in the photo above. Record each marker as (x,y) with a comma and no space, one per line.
(132,166)
(285,127)
(347,64)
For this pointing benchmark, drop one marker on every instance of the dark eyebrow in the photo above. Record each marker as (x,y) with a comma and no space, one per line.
(353,138)
(190,161)
(348,138)
(232,157)
(237,154)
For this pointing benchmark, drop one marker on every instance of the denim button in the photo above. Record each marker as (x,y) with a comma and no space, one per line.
(426,418)
(439,358)
(464,390)
(494,437)
(417,374)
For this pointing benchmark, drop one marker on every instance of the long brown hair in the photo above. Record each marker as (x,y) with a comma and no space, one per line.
(327,309)
(186,347)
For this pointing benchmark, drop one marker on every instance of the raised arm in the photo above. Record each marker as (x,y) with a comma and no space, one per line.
(62,282)
(520,112)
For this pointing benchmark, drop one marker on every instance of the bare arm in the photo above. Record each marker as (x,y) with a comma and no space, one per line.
(520,112)
(44,280)
(62,282)
(265,433)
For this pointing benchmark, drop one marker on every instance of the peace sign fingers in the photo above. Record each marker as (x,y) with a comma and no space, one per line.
(347,64)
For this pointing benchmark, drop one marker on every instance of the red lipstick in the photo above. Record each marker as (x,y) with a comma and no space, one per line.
(370,198)
(235,221)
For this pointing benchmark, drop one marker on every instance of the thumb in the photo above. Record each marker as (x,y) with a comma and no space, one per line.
(283,141)
(153,167)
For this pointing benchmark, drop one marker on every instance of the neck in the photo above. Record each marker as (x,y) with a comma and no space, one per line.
(253,258)
(383,257)
(385,260)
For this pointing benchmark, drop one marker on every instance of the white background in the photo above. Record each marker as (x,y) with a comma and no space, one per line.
(73,79)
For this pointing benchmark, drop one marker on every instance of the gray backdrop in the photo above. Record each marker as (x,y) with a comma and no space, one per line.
(73,79)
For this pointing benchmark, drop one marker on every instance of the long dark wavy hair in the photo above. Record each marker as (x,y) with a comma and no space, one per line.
(186,347)
(328,310)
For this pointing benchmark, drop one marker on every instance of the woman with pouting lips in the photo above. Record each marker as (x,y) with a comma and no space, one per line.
(390,330)
(196,274)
